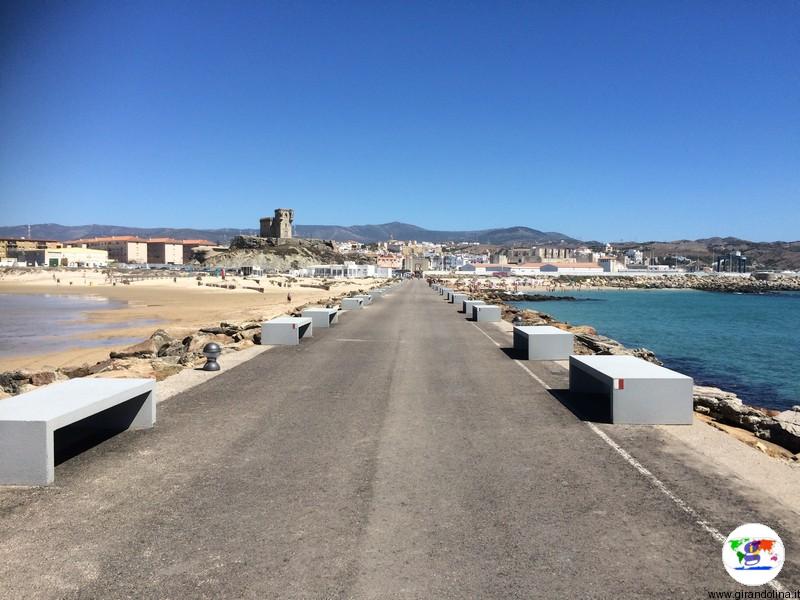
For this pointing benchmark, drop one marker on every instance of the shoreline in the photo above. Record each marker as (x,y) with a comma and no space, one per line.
(180,306)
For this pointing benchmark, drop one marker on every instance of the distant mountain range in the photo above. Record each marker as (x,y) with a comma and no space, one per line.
(359,233)
(774,255)
(404,231)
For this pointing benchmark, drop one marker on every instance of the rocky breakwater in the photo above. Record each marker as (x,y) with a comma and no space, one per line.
(708,283)
(779,428)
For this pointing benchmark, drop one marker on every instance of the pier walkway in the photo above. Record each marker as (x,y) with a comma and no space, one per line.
(401,454)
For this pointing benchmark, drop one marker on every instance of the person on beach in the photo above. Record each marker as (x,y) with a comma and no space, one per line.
(289,297)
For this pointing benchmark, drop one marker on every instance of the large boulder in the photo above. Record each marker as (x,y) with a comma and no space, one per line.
(44,377)
(11,381)
(149,348)
(785,430)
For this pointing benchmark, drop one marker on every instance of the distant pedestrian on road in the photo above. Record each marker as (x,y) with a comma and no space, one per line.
(289,297)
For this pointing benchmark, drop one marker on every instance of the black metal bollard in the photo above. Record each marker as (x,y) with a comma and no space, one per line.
(211,351)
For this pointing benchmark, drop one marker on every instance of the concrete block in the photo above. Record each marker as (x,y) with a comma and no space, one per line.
(466,306)
(543,342)
(322,317)
(352,303)
(638,391)
(28,421)
(286,331)
(485,312)
(458,300)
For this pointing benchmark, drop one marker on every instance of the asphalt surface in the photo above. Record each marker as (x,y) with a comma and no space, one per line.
(400,454)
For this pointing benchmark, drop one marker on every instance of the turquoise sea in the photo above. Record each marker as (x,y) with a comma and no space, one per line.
(743,343)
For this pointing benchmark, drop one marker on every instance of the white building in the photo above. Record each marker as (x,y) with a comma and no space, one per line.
(559,268)
(75,257)
(609,264)
(347,270)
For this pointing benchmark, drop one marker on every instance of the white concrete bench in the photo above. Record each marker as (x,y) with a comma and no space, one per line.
(322,317)
(443,291)
(639,392)
(458,299)
(352,303)
(286,331)
(28,422)
(468,304)
(485,312)
(543,342)
(366,297)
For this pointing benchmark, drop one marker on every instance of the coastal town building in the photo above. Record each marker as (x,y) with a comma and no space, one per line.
(74,257)
(123,249)
(16,248)
(733,262)
(278,226)
(389,261)
(190,246)
(558,268)
(343,271)
(133,250)
(164,251)
(416,264)
(609,264)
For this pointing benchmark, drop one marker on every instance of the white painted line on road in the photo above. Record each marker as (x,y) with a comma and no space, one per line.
(532,374)
(486,334)
(655,481)
(527,370)
(712,531)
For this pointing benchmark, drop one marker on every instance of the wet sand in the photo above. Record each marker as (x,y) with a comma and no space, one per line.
(180,307)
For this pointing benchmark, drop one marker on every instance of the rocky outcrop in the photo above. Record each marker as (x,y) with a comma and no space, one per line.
(275,254)
(728,408)
(782,429)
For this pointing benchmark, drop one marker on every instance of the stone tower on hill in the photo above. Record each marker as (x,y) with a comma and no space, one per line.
(279,226)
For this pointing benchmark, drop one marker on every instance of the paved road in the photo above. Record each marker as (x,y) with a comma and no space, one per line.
(401,454)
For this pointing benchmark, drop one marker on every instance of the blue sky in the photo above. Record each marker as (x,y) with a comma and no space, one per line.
(602,120)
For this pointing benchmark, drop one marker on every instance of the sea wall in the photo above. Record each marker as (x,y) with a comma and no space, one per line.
(689,281)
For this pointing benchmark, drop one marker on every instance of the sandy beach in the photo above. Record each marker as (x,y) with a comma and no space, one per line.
(179,305)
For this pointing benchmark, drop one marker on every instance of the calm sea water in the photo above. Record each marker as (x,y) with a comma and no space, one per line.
(39,324)
(742,343)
